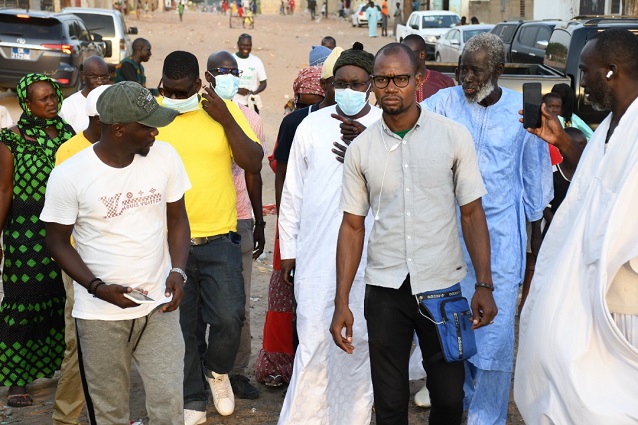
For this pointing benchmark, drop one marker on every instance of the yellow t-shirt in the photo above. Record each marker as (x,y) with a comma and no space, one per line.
(72,146)
(203,146)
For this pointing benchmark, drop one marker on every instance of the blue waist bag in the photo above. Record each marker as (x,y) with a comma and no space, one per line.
(450,312)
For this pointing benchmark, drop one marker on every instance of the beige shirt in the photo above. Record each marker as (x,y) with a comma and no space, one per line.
(413,186)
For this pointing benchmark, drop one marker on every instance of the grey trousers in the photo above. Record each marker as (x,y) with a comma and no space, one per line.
(107,349)
(245,229)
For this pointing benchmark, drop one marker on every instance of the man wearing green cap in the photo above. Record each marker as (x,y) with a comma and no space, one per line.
(131,232)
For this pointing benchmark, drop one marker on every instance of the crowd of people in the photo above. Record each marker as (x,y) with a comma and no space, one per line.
(406,228)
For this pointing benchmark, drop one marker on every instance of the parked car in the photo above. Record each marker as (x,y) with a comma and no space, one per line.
(111,26)
(359,17)
(531,40)
(54,44)
(506,30)
(429,24)
(448,48)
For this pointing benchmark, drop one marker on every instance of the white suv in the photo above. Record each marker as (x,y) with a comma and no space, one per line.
(111,26)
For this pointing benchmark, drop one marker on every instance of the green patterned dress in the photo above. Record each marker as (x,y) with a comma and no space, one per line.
(32,310)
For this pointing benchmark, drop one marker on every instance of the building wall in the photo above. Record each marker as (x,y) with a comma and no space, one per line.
(567,9)
(494,11)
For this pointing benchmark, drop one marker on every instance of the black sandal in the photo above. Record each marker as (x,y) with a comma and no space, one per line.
(19,400)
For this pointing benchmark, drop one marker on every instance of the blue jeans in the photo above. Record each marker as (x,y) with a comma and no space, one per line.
(216,286)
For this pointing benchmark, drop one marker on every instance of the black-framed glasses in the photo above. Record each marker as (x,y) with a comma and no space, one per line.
(224,71)
(382,81)
(105,77)
(178,94)
(339,85)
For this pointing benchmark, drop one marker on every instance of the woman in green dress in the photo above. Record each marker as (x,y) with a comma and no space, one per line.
(32,310)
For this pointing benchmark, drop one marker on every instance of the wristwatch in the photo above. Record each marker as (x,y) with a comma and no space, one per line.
(181,272)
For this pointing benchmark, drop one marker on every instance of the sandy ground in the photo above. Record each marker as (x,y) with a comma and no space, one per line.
(282,42)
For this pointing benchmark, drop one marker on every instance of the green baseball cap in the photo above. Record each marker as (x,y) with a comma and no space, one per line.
(128,101)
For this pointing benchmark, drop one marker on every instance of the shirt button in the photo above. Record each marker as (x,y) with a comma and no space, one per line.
(407,189)
(409,237)
(408,213)
(409,259)
(404,142)
(406,165)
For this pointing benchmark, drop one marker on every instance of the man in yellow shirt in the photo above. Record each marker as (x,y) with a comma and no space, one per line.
(69,399)
(208,134)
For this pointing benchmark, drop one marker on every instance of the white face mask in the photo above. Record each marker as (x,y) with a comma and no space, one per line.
(182,105)
(226,86)
(351,102)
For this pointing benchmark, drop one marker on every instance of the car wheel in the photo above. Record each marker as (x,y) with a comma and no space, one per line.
(438,57)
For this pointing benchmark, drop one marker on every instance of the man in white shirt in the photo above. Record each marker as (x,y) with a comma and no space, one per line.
(131,233)
(578,345)
(94,73)
(253,78)
(327,385)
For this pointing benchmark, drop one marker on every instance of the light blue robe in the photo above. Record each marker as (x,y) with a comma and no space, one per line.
(517,173)
(373,16)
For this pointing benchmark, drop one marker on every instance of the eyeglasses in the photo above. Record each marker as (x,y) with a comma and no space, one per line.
(178,94)
(382,81)
(223,71)
(105,77)
(354,86)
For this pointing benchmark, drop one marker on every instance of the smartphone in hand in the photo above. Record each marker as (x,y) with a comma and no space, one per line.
(138,297)
(532,99)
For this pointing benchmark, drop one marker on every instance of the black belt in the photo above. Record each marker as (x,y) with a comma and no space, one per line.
(203,240)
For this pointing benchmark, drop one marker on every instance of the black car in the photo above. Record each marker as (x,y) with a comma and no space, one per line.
(506,31)
(54,44)
(531,40)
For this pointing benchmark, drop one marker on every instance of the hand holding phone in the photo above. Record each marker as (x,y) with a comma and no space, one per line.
(138,297)
(532,99)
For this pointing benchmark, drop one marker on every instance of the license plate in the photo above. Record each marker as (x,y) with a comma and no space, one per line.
(20,53)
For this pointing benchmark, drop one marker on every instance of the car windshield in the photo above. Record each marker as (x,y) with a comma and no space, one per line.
(440,21)
(101,24)
(39,28)
(469,34)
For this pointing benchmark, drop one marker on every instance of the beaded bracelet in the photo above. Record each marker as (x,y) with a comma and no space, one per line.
(97,285)
(260,223)
(90,287)
(484,285)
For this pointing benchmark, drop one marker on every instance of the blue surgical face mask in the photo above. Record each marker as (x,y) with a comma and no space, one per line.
(226,86)
(182,105)
(351,102)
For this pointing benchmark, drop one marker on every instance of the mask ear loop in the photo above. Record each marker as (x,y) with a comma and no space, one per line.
(385,169)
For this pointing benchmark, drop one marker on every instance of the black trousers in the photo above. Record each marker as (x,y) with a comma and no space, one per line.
(393,316)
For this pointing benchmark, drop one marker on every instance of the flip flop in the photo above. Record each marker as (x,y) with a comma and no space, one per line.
(19,400)
(274,380)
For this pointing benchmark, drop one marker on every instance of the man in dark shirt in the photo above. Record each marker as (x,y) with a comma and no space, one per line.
(431,81)
(131,68)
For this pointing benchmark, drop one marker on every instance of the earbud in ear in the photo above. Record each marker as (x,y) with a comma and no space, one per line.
(609,74)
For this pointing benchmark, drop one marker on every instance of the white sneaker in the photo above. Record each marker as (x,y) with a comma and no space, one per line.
(194,417)
(222,391)
(422,398)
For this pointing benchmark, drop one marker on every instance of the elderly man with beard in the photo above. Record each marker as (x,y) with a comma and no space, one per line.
(583,303)
(409,169)
(516,169)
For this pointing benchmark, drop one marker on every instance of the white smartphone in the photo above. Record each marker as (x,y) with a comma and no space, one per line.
(138,297)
